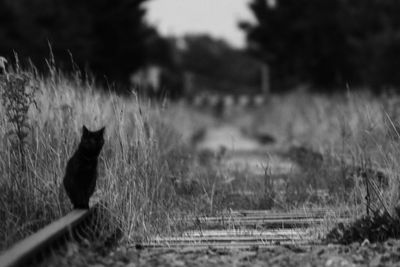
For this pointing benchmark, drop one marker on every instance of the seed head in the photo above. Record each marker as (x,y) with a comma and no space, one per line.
(3,62)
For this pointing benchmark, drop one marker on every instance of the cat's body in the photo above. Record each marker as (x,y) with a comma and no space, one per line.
(81,172)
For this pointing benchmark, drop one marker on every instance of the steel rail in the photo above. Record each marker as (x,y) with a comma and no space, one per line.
(298,214)
(255,229)
(261,222)
(30,248)
(277,229)
(236,245)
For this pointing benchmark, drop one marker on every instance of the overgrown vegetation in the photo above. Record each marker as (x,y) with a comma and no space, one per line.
(346,154)
(376,228)
(362,47)
(41,120)
(344,147)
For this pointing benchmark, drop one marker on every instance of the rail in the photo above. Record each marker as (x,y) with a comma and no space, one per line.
(241,229)
(30,248)
(248,228)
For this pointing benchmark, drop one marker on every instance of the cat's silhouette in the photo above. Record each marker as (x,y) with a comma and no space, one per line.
(81,172)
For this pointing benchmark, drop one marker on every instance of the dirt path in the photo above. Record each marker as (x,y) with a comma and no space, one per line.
(230,137)
(243,152)
(387,254)
(356,254)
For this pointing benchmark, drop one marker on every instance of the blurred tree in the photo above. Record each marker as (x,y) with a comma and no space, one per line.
(121,38)
(108,37)
(302,41)
(215,59)
(326,43)
(374,31)
(7,18)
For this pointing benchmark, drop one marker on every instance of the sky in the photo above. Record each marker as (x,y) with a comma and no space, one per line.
(219,18)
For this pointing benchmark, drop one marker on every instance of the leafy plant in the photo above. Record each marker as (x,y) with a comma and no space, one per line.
(18,92)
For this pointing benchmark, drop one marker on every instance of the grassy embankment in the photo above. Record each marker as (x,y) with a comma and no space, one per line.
(40,127)
(149,174)
(340,143)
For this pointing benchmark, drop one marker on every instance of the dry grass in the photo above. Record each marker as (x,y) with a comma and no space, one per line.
(141,158)
(352,131)
(357,135)
(149,173)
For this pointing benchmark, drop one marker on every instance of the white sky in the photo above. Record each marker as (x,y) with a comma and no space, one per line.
(219,18)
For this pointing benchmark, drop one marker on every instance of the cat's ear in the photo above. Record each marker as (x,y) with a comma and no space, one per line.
(101,131)
(85,130)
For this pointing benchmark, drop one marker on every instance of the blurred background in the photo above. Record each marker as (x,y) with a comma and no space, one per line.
(186,47)
(269,104)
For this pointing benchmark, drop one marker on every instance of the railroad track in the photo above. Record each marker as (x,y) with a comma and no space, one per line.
(238,229)
(245,229)
(235,238)
(260,218)
(34,248)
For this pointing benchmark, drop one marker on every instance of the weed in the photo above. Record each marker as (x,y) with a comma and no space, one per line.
(18,92)
(141,152)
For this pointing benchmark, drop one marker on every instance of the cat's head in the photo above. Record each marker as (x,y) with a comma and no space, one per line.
(92,142)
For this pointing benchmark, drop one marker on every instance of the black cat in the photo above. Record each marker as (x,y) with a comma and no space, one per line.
(81,172)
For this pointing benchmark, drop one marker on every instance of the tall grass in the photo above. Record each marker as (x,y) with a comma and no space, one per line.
(148,174)
(356,132)
(140,155)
